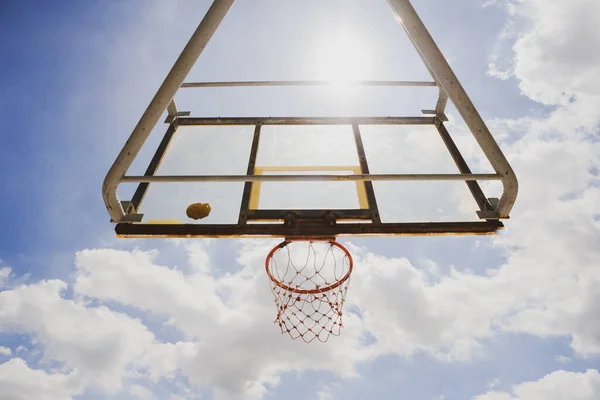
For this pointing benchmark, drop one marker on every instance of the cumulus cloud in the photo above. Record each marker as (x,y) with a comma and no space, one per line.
(552,58)
(450,318)
(552,244)
(4,274)
(326,392)
(5,351)
(547,286)
(141,392)
(231,343)
(97,345)
(559,385)
(563,359)
(19,382)
(238,349)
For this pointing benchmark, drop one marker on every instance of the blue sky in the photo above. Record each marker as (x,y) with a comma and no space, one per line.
(87,316)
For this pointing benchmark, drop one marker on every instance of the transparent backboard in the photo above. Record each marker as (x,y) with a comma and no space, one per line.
(290,150)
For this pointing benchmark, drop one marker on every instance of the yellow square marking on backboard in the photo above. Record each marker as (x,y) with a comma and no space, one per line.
(360,185)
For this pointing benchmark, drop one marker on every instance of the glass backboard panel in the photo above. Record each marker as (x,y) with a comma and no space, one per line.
(201,150)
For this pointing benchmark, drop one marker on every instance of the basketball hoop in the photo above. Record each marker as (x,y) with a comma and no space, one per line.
(309,280)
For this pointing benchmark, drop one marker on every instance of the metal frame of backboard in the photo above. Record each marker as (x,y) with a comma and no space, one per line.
(254,222)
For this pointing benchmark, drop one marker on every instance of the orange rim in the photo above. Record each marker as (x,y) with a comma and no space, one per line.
(305,291)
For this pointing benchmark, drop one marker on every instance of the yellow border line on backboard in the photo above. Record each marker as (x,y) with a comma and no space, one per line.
(360,185)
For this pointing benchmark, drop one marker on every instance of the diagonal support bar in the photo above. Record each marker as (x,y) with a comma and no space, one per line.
(243,217)
(311,178)
(445,77)
(461,164)
(140,192)
(211,21)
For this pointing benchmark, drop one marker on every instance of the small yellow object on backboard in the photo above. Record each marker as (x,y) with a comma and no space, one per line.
(198,210)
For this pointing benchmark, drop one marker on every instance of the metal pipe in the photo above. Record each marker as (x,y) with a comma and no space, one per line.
(206,29)
(364,169)
(311,178)
(183,121)
(305,83)
(445,77)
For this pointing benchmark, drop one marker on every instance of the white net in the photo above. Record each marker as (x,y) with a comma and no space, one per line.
(309,280)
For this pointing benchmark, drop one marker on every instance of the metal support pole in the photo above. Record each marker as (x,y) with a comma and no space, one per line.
(211,21)
(445,77)
(210,121)
(305,83)
(312,178)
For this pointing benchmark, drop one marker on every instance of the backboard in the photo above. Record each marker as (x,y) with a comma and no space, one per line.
(308,177)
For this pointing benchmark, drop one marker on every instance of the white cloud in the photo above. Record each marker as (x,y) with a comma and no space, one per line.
(448,318)
(495,382)
(19,382)
(5,351)
(547,286)
(238,349)
(327,391)
(494,396)
(552,57)
(99,345)
(4,274)
(559,385)
(233,345)
(563,359)
(553,234)
(141,392)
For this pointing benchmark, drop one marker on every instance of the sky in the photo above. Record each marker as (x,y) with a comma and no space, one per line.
(84,315)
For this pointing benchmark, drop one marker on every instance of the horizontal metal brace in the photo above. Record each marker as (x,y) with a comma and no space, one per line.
(340,215)
(130,218)
(312,230)
(441,116)
(306,83)
(489,214)
(312,178)
(170,118)
(308,121)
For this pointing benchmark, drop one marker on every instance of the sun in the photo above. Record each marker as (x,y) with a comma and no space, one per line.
(342,59)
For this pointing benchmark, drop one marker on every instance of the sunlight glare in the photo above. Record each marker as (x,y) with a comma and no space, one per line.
(342,59)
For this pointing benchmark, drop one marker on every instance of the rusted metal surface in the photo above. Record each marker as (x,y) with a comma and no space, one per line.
(308,121)
(308,230)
